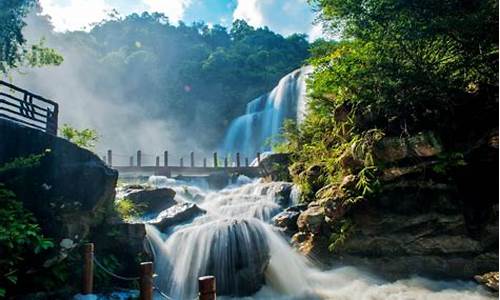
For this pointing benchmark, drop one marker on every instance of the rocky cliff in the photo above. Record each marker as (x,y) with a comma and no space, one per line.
(430,217)
(68,191)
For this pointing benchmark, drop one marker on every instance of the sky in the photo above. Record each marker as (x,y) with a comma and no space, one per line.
(282,16)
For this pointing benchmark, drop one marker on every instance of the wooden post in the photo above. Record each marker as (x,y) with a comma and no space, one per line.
(146,281)
(88,268)
(139,158)
(110,158)
(131,161)
(225,162)
(246,161)
(204,162)
(238,159)
(157,161)
(207,288)
(258,159)
(165,158)
(215,160)
(192,159)
(182,162)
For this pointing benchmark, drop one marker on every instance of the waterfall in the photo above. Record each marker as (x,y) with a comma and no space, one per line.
(235,241)
(264,116)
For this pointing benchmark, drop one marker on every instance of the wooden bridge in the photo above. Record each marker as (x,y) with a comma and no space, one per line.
(215,166)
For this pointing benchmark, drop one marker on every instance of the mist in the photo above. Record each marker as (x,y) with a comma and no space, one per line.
(140,96)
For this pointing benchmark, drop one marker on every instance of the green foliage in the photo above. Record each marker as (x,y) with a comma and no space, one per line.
(29,161)
(85,138)
(448,161)
(402,67)
(341,231)
(13,51)
(20,236)
(128,210)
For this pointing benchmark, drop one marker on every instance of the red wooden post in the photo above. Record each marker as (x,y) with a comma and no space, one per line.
(146,281)
(165,158)
(207,288)
(215,160)
(110,158)
(88,268)
(238,159)
(192,159)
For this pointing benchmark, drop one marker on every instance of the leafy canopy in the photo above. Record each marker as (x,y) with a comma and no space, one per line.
(13,49)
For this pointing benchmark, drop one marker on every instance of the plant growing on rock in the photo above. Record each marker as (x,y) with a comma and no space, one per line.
(85,138)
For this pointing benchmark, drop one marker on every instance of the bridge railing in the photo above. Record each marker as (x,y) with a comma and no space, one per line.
(143,160)
(24,107)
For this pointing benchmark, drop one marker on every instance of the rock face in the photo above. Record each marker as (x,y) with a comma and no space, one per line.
(69,191)
(420,223)
(287,220)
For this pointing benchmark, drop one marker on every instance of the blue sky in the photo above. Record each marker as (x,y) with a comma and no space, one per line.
(283,16)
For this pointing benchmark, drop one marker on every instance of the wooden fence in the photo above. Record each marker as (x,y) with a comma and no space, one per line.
(24,107)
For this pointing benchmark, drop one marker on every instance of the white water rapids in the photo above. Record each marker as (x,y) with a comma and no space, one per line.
(235,242)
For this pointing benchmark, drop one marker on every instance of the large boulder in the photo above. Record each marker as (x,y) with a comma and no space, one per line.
(411,228)
(177,214)
(152,201)
(392,149)
(69,190)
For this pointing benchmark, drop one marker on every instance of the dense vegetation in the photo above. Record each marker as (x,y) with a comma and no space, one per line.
(194,76)
(402,67)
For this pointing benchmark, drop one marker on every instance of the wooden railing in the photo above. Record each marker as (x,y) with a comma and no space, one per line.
(24,107)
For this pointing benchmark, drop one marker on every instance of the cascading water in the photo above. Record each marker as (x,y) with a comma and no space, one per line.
(234,241)
(265,115)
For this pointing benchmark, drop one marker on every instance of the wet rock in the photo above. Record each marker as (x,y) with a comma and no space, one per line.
(177,214)
(246,259)
(287,220)
(282,193)
(311,219)
(489,280)
(154,200)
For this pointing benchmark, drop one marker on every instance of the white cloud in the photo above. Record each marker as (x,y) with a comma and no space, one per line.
(79,14)
(75,14)
(173,9)
(250,11)
(283,16)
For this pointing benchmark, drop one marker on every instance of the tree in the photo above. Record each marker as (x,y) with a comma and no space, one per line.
(13,51)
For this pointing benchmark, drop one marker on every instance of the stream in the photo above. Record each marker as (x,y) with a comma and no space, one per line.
(251,259)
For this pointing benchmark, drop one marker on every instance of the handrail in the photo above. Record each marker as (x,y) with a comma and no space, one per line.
(24,107)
